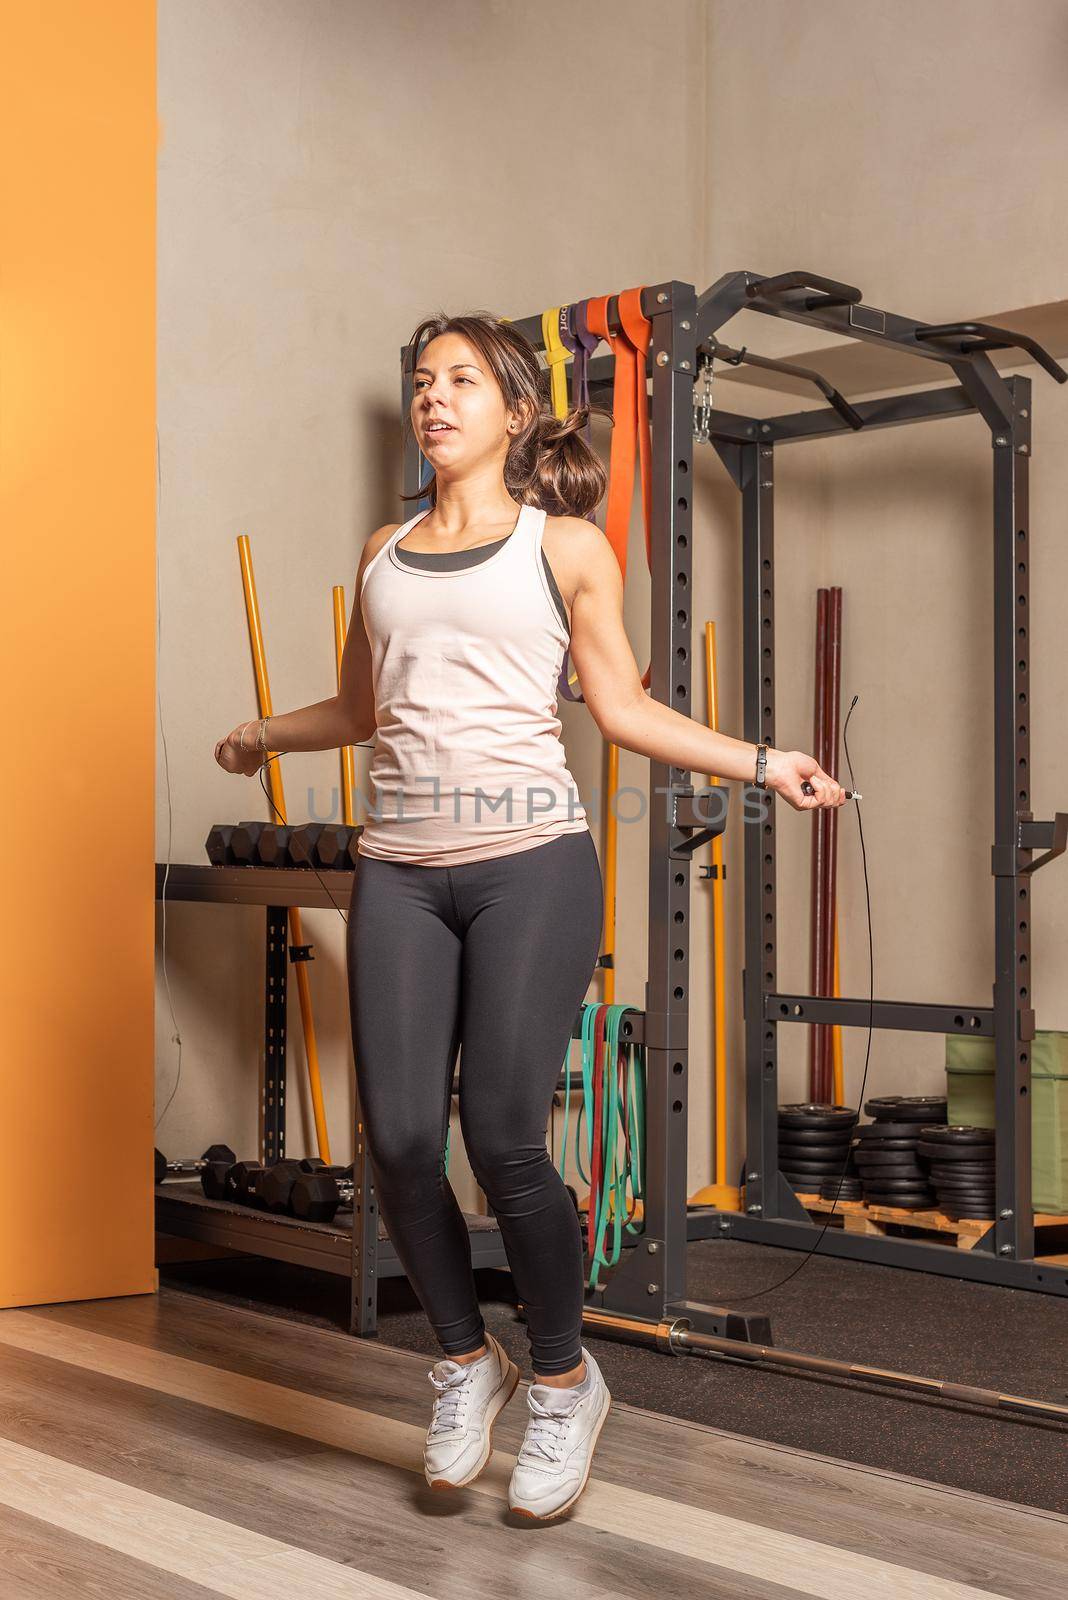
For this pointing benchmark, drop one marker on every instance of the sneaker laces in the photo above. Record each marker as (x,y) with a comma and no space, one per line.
(451,1397)
(545,1431)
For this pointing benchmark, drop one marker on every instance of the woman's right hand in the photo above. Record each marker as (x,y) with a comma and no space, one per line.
(233,758)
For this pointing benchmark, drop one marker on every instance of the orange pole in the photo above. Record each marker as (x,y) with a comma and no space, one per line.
(348,754)
(719,1192)
(263,690)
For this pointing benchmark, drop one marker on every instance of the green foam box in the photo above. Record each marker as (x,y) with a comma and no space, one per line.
(970,1091)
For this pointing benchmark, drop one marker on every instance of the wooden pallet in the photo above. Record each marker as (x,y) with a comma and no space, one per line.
(860,1218)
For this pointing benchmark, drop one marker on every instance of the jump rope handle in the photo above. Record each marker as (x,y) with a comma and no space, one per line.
(850,794)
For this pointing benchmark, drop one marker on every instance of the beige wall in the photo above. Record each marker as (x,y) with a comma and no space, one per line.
(919,152)
(331,173)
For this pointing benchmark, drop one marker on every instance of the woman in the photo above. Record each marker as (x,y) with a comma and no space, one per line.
(476,910)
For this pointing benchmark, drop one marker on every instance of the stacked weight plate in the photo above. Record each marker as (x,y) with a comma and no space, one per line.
(814,1148)
(961,1162)
(888,1151)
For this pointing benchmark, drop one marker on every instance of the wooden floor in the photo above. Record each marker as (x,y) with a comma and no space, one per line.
(172,1447)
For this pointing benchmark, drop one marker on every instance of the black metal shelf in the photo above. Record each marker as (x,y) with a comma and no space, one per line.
(254,886)
(183,1210)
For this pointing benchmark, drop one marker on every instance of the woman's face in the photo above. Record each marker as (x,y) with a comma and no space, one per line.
(452,385)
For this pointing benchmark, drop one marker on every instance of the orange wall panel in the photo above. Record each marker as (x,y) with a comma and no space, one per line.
(77,647)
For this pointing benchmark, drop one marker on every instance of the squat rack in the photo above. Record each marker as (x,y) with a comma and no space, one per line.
(646,1291)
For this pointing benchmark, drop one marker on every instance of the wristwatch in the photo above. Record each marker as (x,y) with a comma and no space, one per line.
(761,766)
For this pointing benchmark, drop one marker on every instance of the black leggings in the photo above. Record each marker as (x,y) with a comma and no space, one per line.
(495,955)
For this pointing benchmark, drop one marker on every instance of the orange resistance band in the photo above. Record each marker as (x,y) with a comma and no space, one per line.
(630,412)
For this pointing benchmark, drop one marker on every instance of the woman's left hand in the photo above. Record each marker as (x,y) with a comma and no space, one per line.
(787,770)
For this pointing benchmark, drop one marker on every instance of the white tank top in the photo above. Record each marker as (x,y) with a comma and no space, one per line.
(468,763)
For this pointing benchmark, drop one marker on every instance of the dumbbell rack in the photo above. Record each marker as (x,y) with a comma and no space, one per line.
(362,1250)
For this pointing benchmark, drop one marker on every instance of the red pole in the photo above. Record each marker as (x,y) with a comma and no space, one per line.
(829,819)
(817,889)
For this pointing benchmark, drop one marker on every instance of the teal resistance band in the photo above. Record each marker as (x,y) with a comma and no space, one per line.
(622,1158)
(589,1020)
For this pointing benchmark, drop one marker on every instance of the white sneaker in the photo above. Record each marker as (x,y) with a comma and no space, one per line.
(554,1459)
(459,1440)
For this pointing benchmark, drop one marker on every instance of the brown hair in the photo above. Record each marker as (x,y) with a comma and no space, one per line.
(549,464)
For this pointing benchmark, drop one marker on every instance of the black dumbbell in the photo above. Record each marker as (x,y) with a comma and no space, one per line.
(244,843)
(303,841)
(246,1182)
(240,1182)
(274,1188)
(276,1185)
(217,844)
(272,846)
(336,849)
(316,1196)
(189,1167)
(213,1179)
(233,1180)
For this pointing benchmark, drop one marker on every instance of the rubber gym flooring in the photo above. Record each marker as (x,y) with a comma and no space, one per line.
(1003,1339)
(169,1447)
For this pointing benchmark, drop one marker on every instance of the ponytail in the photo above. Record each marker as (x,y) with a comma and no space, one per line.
(551,465)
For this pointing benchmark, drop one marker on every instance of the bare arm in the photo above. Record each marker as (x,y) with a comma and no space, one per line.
(356,696)
(629,717)
(347,717)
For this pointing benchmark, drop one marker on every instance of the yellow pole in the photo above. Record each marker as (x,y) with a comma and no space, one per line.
(263,690)
(348,754)
(719,1192)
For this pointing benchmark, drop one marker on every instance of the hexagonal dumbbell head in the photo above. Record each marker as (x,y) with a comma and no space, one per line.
(315,1197)
(272,847)
(303,842)
(243,842)
(213,1179)
(239,1179)
(337,847)
(217,844)
(219,1152)
(276,1185)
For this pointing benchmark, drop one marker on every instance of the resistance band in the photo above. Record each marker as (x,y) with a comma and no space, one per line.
(576,336)
(556,354)
(613,1105)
